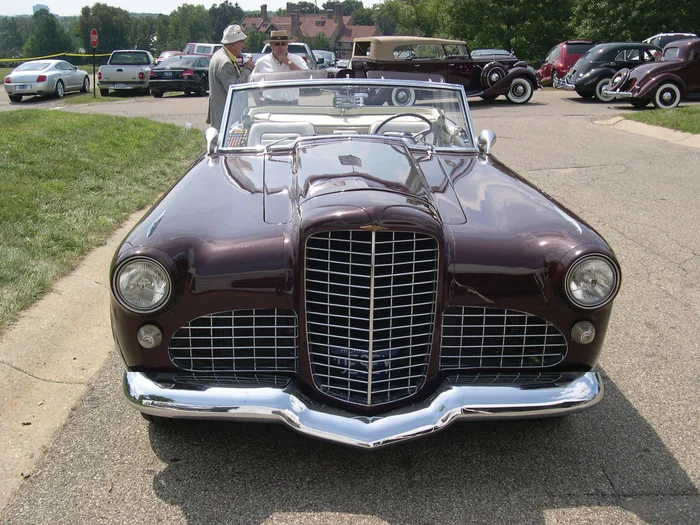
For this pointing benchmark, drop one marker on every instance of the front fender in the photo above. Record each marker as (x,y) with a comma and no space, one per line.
(648,89)
(503,86)
(590,79)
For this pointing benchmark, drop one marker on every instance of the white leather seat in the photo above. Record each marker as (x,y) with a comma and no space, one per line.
(264,133)
(410,125)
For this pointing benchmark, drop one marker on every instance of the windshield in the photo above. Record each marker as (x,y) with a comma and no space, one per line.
(279,113)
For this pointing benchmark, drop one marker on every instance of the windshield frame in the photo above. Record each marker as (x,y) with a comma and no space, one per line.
(456,89)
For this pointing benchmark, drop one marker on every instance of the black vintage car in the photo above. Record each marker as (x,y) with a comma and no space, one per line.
(364,274)
(186,73)
(593,72)
(487,76)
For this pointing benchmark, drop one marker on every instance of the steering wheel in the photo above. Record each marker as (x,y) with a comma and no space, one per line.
(421,135)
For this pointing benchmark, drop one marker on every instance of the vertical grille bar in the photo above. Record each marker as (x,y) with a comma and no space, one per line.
(370,310)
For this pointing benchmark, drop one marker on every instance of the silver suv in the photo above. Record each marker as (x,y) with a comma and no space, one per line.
(298,48)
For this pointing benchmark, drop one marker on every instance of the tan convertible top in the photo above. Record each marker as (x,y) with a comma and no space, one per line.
(382,47)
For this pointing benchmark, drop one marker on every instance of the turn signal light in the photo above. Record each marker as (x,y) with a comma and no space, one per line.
(7,80)
(142,75)
(187,73)
(41,78)
(99,75)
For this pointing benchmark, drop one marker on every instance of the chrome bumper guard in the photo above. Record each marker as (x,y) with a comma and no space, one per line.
(563,84)
(453,400)
(617,93)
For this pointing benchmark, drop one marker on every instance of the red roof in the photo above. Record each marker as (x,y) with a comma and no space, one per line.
(352,32)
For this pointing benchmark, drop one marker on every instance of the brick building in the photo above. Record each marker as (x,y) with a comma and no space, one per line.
(338,28)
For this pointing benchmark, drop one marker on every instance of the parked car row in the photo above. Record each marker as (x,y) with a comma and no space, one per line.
(638,72)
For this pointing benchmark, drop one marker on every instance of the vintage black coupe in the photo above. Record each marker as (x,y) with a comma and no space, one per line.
(593,72)
(487,75)
(364,274)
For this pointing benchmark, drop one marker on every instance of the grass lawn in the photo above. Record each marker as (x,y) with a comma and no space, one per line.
(67,181)
(686,118)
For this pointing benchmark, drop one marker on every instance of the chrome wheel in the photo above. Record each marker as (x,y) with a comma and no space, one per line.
(86,85)
(403,97)
(60,89)
(667,96)
(520,91)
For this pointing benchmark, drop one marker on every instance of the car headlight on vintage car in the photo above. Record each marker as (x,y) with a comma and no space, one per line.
(592,281)
(142,285)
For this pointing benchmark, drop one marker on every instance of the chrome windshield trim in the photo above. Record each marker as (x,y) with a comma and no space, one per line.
(452,401)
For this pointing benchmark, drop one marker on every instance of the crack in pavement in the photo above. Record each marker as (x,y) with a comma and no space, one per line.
(18,369)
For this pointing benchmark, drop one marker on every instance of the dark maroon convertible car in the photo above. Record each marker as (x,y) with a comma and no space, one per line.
(364,274)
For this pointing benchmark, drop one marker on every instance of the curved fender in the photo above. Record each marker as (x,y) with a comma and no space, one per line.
(648,90)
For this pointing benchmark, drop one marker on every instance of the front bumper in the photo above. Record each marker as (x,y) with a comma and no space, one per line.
(455,399)
(563,84)
(618,94)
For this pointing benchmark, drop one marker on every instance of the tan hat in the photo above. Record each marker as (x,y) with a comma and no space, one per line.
(233,34)
(278,36)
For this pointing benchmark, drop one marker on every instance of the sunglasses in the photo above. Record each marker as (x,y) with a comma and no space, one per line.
(279,43)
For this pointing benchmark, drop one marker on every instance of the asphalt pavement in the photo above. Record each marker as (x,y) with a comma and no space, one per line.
(632,459)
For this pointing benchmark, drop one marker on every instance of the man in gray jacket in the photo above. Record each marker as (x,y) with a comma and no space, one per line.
(226,69)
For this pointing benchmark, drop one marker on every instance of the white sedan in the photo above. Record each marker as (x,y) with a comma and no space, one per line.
(46,78)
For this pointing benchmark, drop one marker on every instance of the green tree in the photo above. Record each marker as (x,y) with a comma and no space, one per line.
(412,17)
(189,23)
(223,15)
(320,41)
(162,33)
(362,17)
(529,27)
(306,8)
(142,33)
(632,19)
(255,42)
(47,37)
(348,6)
(13,34)
(112,24)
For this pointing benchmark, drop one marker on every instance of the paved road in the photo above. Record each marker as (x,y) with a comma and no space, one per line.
(633,459)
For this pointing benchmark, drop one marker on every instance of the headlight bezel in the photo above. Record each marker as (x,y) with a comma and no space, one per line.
(614,289)
(117,292)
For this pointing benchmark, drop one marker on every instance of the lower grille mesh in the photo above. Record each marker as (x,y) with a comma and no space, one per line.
(259,340)
(370,309)
(475,337)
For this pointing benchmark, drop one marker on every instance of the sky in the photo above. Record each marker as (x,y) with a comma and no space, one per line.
(73,7)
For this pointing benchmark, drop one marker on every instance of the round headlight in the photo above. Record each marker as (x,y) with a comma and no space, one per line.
(142,285)
(591,282)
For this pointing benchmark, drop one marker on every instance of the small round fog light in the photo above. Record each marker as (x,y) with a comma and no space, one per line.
(583,332)
(149,336)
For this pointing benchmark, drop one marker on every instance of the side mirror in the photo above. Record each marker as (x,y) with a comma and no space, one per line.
(486,141)
(211,136)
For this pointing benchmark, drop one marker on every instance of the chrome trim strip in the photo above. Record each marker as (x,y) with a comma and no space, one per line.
(563,84)
(572,392)
(370,336)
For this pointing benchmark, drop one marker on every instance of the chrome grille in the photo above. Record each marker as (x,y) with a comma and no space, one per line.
(475,337)
(370,312)
(259,340)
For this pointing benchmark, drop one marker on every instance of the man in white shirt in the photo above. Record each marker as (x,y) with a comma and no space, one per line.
(280,60)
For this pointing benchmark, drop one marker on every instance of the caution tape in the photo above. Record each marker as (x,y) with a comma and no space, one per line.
(22,59)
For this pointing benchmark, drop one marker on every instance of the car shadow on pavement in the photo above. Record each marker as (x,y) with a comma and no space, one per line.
(487,472)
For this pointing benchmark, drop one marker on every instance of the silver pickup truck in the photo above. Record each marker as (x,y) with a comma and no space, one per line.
(126,69)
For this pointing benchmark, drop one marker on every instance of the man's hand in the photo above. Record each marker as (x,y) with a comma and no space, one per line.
(250,64)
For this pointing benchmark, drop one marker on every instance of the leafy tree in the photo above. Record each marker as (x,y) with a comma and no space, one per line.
(348,6)
(632,19)
(307,8)
(412,17)
(142,33)
(255,42)
(112,23)
(47,36)
(362,17)
(320,41)
(189,23)
(223,15)
(529,27)
(162,33)
(13,34)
